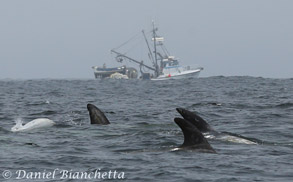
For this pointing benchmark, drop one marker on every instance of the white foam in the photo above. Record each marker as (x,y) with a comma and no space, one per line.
(175,149)
(209,136)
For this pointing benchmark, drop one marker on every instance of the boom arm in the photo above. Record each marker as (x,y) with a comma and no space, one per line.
(131,59)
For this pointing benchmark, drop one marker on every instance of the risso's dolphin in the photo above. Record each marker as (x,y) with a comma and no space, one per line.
(34,124)
(196,120)
(193,138)
(96,115)
(208,131)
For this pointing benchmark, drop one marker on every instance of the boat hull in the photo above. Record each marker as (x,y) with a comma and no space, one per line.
(182,75)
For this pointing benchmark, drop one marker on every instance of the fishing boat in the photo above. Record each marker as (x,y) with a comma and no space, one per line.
(164,66)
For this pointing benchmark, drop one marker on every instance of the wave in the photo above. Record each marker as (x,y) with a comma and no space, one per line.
(3,130)
(45,113)
(285,105)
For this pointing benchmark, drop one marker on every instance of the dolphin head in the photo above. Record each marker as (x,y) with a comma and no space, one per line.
(196,120)
(96,115)
(18,125)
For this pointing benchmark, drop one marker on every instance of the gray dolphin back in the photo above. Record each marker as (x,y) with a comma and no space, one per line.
(193,138)
(96,115)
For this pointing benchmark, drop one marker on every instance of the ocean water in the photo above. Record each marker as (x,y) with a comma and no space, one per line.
(137,145)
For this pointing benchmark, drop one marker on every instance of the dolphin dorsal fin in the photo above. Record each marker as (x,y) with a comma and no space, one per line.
(192,136)
(195,119)
(96,115)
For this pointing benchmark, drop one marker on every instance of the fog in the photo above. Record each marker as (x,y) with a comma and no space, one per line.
(64,39)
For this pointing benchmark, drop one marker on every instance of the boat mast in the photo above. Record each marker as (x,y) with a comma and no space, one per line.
(155,51)
(153,58)
(150,52)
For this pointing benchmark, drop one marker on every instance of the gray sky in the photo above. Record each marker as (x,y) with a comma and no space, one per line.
(64,38)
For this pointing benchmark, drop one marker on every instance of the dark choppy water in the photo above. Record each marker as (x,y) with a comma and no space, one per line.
(142,131)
